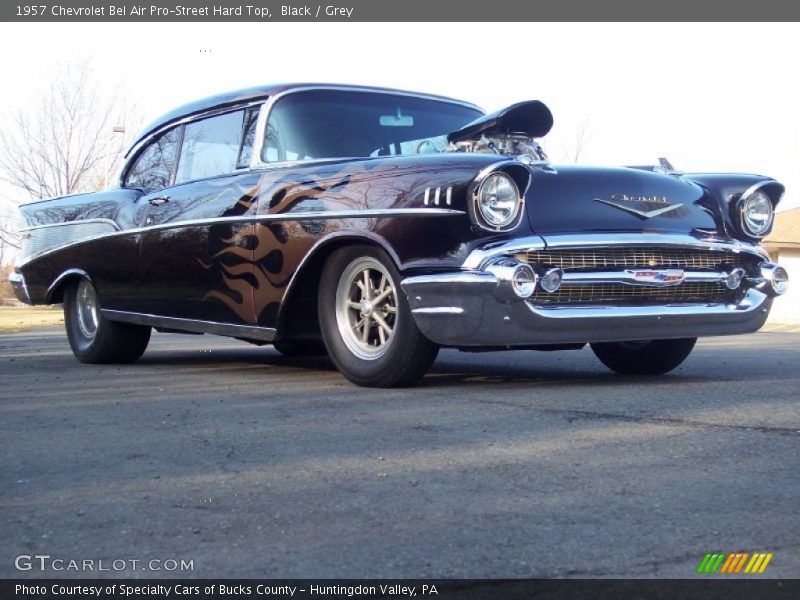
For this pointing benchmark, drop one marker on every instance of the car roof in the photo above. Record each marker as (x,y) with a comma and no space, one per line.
(252,94)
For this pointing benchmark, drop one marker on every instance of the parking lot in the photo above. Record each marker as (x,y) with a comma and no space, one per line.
(518,464)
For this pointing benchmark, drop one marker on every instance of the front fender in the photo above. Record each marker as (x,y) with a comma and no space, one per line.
(727,188)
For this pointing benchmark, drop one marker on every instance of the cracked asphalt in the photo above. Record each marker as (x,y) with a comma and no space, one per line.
(519,464)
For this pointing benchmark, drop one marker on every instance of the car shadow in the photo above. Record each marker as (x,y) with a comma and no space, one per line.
(451,369)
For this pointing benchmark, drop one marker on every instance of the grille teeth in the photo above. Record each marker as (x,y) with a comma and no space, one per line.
(637,257)
(634,294)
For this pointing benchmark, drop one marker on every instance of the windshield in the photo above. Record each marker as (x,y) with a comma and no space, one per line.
(333,124)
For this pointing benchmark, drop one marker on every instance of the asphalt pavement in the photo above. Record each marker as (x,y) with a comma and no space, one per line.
(519,464)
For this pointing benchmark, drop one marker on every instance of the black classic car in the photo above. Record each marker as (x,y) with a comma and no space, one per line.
(377,226)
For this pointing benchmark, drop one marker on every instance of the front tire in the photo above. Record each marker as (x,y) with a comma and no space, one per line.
(93,338)
(653,357)
(366,323)
(297,349)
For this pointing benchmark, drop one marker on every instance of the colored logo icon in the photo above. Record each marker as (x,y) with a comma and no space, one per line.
(723,563)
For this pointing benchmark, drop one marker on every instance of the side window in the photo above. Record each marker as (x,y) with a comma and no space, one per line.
(282,143)
(210,147)
(248,137)
(153,168)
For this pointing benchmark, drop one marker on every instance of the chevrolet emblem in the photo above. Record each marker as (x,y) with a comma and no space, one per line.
(657,277)
(645,207)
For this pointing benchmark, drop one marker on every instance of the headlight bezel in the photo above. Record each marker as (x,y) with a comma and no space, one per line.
(743,207)
(518,177)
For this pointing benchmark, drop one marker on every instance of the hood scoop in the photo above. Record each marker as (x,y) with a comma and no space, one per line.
(531,119)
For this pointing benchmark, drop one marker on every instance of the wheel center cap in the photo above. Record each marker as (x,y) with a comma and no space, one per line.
(366,308)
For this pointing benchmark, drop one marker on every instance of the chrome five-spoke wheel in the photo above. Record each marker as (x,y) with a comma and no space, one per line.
(366,308)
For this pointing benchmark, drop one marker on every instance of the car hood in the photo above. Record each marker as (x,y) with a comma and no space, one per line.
(572,199)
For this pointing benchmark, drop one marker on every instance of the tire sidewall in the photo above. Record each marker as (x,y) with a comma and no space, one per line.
(653,357)
(112,342)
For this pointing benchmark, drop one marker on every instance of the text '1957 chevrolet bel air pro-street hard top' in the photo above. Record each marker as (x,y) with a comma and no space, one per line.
(377,226)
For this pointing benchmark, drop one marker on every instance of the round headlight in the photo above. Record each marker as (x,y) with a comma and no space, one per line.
(757,214)
(498,200)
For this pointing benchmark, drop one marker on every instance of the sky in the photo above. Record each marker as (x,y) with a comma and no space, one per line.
(710,97)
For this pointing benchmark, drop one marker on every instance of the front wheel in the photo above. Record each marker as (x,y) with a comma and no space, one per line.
(92,337)
(653,357)
(300,349)
(366,323)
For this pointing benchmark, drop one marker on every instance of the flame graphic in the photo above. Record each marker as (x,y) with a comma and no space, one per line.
(267,253)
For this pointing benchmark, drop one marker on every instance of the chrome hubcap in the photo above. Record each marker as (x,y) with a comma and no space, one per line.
(366,308)
(87,308)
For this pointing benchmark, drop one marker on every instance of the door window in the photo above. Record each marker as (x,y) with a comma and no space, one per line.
(210,147)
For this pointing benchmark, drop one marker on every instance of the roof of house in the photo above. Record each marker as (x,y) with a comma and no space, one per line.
(786,230)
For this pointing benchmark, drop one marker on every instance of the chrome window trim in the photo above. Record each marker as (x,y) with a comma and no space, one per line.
(265,104)
(298,216)
(478,257)
(266,334)
(132,154)
(266,109)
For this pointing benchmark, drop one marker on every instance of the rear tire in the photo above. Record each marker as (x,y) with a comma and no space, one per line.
(294,349)
(93,338)
(366,323)
(653,357)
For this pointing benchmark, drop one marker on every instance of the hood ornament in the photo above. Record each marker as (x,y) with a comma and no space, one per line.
(645,207)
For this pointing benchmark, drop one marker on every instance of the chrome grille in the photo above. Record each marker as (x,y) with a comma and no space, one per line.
(609,258)
(633,294)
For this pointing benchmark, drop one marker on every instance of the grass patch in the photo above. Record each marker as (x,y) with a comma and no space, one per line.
(14,319)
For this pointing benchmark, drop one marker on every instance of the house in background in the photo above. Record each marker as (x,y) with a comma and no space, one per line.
(783,245)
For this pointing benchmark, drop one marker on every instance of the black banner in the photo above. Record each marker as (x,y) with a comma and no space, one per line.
(395,10)
(305,589)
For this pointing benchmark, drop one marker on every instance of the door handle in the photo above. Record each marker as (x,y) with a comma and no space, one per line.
(158,200)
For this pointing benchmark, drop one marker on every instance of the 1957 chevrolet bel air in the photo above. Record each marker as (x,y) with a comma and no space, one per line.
(377,226)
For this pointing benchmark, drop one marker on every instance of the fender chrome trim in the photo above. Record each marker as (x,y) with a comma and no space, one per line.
(100,221)
(377,213)
(53,287)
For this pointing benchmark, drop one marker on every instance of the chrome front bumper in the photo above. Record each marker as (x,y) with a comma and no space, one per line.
(473,307)
(461,309)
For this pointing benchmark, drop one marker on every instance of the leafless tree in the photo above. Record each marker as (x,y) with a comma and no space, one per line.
(70,139)
(575,145)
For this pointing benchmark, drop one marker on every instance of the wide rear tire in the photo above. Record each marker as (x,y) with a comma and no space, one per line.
(93,338)
(366,322)
(653,357)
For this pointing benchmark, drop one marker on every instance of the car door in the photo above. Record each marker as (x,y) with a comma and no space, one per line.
(195,258)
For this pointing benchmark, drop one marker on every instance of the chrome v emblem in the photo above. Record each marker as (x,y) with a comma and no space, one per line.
(645,207)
